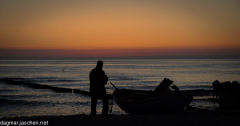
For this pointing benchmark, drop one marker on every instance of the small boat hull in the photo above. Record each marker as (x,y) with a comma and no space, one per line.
(139,101)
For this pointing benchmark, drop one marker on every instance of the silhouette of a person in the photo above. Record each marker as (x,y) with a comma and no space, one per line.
(98,80)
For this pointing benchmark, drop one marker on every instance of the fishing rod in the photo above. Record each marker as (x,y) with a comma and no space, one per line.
(114,86)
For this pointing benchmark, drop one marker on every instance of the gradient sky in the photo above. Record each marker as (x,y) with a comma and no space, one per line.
(109,28)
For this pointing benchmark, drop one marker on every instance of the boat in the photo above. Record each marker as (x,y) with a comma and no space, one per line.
(162,99)
(141,101)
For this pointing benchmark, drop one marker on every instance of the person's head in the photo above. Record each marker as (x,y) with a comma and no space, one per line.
(99,64)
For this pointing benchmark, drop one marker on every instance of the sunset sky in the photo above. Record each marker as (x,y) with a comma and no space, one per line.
(119,28)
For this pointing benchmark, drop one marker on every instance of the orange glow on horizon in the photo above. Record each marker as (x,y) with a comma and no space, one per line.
(114,24)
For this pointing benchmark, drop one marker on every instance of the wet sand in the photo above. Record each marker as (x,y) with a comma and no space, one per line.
(169,119)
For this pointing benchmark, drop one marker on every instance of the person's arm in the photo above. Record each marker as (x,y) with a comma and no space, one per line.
(104,78)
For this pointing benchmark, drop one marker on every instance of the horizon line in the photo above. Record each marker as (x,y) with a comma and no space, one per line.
(157,53)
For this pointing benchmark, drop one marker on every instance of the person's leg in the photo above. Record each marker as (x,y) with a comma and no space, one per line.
(93,104)
(105,105)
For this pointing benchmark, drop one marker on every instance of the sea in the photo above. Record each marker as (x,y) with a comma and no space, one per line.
(141,74)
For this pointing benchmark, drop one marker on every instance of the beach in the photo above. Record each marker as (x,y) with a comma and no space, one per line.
(168,119)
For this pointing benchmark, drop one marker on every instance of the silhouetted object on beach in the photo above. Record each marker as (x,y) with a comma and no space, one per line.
(98,80)
(229,94)
(216,89)
(175,88)
(161,100)
(163,87)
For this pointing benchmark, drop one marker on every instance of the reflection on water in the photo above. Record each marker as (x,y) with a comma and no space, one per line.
(131,74)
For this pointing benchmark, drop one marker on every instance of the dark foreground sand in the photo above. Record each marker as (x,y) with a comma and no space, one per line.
(170,119)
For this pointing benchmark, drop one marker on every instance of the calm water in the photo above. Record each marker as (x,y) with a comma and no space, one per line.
(142,74)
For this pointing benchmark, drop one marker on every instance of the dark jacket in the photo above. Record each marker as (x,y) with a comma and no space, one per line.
(98,79)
